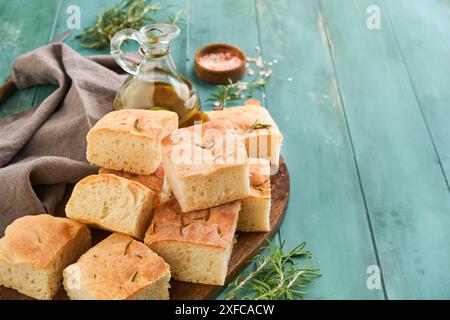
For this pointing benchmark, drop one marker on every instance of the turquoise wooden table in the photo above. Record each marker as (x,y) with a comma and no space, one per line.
(365,112)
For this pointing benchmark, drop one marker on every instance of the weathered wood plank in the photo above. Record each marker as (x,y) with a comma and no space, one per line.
(426,52)
(326,206)
(25,25)
(221,22)
(405,189)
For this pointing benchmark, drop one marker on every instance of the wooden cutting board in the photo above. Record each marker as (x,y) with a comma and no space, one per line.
(247,246)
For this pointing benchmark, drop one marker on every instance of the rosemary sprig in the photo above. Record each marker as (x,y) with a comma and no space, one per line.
(259,125)
(177,17)
(128,14)
(237,91)
(277,276)
(224,94)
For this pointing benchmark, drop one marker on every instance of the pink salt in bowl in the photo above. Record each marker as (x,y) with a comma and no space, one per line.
(220,63)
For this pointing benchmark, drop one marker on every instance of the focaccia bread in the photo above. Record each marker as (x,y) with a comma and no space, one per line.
(118,268)
(206,165)
(152,181)
(36,249)
(113,203)
(258,129)
(255,211)
(197,245)
(129,139)
(155,182)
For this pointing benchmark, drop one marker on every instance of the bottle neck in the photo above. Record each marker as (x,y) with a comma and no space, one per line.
(154,52)
(157,59)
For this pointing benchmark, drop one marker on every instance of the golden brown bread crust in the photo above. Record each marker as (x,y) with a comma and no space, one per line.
(113,203)
(134,186)
(210,227)
(119,266)
(259,171)
(153,181)
(130,139)
(205,148)
(259,177)
(139,122)
(37,240)
(243,117)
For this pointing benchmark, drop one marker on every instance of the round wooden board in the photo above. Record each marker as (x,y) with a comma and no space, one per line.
(246,247)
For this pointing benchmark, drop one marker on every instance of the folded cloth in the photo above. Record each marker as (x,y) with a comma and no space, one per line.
(43,148)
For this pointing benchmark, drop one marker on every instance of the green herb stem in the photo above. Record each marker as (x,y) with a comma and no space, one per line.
(128,14)
(237,91)
(277,275)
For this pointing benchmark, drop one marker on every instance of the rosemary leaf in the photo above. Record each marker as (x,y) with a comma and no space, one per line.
(278,275)
(225,94)
(177,17)
(136,125)
(259,125)
(237,91)
(133,278)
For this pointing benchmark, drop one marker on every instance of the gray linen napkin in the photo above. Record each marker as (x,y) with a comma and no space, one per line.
(44,148)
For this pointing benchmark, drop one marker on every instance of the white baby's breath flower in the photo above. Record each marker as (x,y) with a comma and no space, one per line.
(242,86)
(259,63)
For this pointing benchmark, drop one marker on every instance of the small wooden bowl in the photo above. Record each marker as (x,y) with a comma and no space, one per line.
(220,76)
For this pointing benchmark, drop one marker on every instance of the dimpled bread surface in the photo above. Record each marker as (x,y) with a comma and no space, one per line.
(118,268)
(129,139)
(36,249)
(261,142)
(197,245)
(113,203)
(206,165)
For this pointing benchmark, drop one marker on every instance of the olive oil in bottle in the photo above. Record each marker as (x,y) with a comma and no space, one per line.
(155,84)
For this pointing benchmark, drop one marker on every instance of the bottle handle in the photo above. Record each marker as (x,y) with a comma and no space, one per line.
(117,53)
